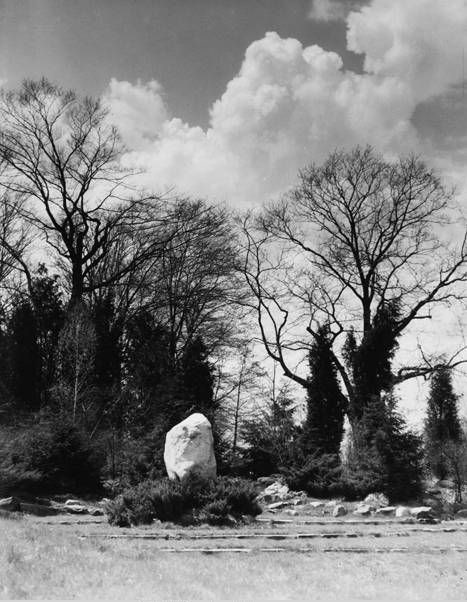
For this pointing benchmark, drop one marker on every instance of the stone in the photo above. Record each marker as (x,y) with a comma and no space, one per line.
(402,512)
(276,492)
(462,513)
(96,512)
(339,510)
(11,504)
(363,510)
(298,501)
(189,449)
(421,511)
(317,504)
(292,512)
(277,505)
(76,509)
(386,511)
(73,503)
(376,500)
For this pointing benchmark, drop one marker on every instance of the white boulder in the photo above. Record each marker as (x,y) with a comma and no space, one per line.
(402,512)
(189,449)
(339,510)
(363,510)
(377,500)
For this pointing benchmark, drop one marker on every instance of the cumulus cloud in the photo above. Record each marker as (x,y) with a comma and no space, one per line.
(290,104)
(138,110)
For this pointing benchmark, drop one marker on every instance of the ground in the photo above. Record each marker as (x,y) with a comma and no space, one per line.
(309,557)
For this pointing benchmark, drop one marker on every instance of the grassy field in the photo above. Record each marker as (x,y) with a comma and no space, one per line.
(43,560)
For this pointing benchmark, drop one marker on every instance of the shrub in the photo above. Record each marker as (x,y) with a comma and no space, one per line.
(318,474)
(195,500)
(52,456)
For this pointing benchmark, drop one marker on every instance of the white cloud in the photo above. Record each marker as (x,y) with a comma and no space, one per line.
(290,105)
(138,110)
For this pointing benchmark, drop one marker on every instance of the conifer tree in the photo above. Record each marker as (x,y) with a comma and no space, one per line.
(324,425)
(442,425)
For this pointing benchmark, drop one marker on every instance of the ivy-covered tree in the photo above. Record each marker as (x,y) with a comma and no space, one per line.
(324,424)
(442,424)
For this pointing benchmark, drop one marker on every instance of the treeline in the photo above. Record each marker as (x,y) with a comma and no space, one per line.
(123,311)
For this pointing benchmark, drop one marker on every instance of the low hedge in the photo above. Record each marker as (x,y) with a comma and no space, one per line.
(195,500)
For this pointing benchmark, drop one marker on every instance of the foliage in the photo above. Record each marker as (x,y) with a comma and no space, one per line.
(195,500)
(269,437)
(388,452)
(52,456)
(324,424)
(442,424)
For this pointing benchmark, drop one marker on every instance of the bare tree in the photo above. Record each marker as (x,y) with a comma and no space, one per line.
(194,286)
(356,233)
(61,161)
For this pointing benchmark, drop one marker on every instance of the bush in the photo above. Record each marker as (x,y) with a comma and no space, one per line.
(195,500)
(318,474)
(51,457)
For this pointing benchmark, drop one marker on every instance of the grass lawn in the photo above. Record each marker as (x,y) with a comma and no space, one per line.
(39,560)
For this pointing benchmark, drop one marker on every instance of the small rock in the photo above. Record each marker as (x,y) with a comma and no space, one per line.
(363,510)
(386,511)
(421,511)
(462,513)
(291,512)
(376,500)
(76,509)
(277,505)
(11,504)
(95,512)
(73,503)
(434,491)
(339,510)
(275,492)
(317,504)
(298,502)
(402,512)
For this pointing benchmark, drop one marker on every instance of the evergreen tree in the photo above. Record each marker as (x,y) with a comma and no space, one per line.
(270,436)
(442,424)
(49,312)
(198,379)
(24,356)
(324,424)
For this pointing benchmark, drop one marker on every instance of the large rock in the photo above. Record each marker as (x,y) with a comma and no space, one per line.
(339,510)
(276,492)
(189,449)
(402,512)
(363,510)
(376,500)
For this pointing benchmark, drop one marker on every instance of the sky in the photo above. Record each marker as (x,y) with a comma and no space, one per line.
(228,99)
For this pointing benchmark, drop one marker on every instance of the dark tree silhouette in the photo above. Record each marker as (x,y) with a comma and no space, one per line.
(442,424)
(324,424)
